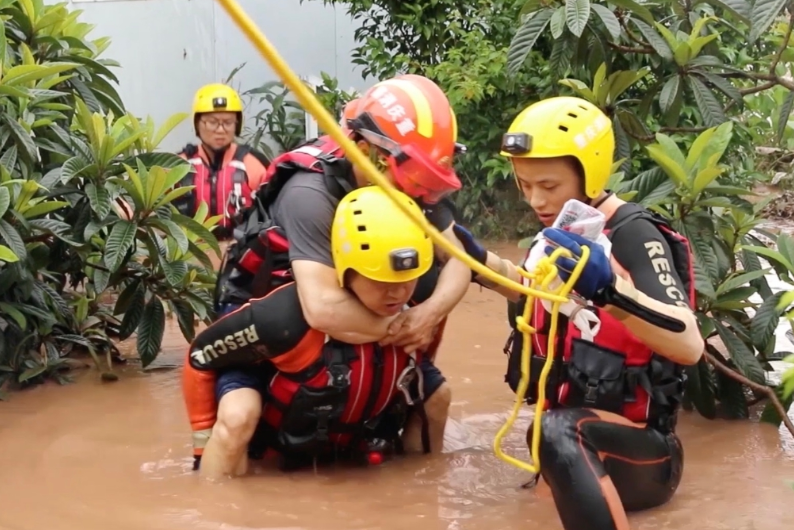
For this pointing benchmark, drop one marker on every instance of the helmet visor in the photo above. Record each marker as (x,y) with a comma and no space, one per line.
(415,173)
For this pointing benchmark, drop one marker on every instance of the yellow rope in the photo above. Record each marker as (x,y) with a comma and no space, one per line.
(558,297)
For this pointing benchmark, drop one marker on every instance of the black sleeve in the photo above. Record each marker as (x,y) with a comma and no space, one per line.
(641,249)
(440,215)
(261,329)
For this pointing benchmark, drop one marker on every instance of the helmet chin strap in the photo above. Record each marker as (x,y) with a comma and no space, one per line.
(600,201)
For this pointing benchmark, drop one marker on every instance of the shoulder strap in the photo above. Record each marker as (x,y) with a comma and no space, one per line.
(625,214)
(240,151)
(338,174)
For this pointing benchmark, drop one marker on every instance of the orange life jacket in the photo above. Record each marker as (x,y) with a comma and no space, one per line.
(616,372)
(226,191)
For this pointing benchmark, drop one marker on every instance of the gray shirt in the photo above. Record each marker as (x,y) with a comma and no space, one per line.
(305,209)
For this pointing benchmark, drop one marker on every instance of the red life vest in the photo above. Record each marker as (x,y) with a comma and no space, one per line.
(348,398)
(616,372)
(257,261)
(226,191)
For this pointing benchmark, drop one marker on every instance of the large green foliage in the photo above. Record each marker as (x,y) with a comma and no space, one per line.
(462,46)
(85,206)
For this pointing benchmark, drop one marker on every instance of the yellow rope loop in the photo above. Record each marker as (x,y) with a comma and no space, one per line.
(328,123)
(547,270)
(523,326)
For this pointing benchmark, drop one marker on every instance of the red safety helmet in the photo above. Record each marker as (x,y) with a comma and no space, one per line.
(409,118)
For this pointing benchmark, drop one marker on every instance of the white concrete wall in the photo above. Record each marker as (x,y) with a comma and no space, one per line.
(169,48)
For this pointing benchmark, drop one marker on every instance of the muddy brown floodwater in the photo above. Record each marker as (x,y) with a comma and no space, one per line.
(93,456)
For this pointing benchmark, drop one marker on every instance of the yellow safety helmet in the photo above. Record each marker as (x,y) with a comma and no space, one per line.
(372,236)
(565,126)
(218,97)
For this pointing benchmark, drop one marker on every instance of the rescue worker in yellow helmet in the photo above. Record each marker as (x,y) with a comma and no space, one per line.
(226,173)
(608,442)
(325,398)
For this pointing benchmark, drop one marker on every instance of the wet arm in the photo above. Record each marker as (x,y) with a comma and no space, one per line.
(332,309)
(453,282)
(504,268)
(643,252)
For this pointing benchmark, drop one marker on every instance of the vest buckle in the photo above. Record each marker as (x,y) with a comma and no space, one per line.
(338,376)
(591,394)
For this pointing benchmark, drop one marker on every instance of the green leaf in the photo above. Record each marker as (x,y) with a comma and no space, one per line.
(7,255)
(196,228)
(741,355)
(739,8)
(185,317)
(770,254)
(24,141)
(705,177)
(43,208)
(766,320)
(174,231)
(762,14)
(525,39)
(23,73)
(14,313)
(99,198)
(783,117)
(636,9)
(55,227)
(577,13)
(704,253)
(710,108)
(654,39)
(175,271)
(9,159)
(150,331)
(671,149)
(670,167)
(557,23)
(669,93)
(724,86)
(3,45)
(72,169)
(609,19)
(121,238)
(133,314)
(101,280)
(715,148)
(701,388)
(5,200)
(12,238)
(682,53)
(561,53)
(738,280)
(530,7)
